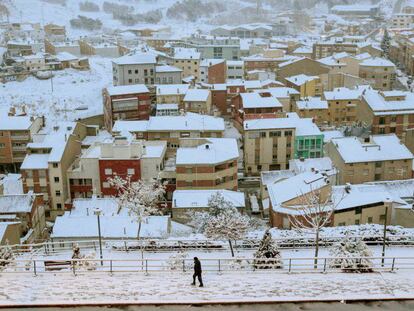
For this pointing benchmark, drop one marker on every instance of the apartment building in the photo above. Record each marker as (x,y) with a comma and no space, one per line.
(207,163)
(126,102)
(171,93)
(327,48)
(343,104)
(307,86)
(302,65)
(28,211)
(235,69)
(244,31)
(387,111)
(16,131)
(287,96)
(402,20)
(379,72)
(56,47)
(172,128)
(247,106)
(269,144)
(188,60)
(165,74)
(213,71)
(198,101)
(379,157)
(216,47)
(44,169)
(138,68)
(314,108)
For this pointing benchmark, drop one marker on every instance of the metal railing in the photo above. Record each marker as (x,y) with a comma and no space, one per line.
(166,245)
(210,265)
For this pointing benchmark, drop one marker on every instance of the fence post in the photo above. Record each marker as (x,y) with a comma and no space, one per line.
(34,267)
(219,265)
(183,265)
(393,265)
(290,265)
(324,266)
(73,267)
(110,266)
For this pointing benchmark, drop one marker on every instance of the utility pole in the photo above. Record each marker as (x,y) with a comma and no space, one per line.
(98,214)
(387,202)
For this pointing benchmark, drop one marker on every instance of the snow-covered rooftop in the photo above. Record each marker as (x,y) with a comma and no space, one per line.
(200,198)
(343,93)
(307,165)
(127,89)
(212,151)
(312,103)
(295,186)
(303,126)
(254,100)
(380,148)
(136,59)
(377,62)
(301,79)
(16,203)
(172,89)
(167,68)
(380,102)
(187,122)
(197,95)
(186,53)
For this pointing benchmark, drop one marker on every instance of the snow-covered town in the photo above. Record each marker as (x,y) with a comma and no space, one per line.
(205,154)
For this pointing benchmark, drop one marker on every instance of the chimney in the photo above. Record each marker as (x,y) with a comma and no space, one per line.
(12,111)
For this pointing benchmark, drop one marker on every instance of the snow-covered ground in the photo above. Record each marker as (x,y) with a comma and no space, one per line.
(71,89)
(175,287)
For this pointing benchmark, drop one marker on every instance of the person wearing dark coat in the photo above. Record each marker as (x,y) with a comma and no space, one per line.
(197,272)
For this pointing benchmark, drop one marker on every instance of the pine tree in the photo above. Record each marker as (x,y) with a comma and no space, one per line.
(351,255)
(268,255)
(385,44)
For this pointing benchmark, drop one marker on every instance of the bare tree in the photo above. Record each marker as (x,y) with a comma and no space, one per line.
(314,213)
(140,198)
(225,221)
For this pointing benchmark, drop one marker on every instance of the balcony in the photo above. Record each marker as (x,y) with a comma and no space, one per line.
(20,137)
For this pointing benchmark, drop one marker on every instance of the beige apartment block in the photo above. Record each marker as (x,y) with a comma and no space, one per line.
(307,86)
(172,128)
(209,163)
(171,94)
(377,158)
(379,72)
(188,60)
(48,159)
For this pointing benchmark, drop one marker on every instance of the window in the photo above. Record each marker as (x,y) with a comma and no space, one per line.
(288,133)
(275,134)
(370,220)
(2,145)
(59,206)
(56,179)
(131,171)
(129,80)
(382,120)
(108,171)
(136,70)
(129,72)
(263,134)
(57,192)
(55,165)
(105,184)
(378,164)
(382,218)
(357,221)
(382,130)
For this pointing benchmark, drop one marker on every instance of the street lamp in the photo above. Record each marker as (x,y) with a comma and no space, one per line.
(387,202)
(98,213)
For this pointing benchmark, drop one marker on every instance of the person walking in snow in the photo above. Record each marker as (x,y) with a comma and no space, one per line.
(197,272)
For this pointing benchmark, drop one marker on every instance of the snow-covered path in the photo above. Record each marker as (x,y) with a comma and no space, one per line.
(175,287)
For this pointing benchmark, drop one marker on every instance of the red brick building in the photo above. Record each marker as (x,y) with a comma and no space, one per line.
(109,168)
(126,102)
(213,71)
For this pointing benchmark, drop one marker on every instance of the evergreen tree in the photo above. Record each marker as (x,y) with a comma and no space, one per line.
(385,44)
(268,255)
(351,255)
